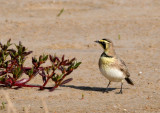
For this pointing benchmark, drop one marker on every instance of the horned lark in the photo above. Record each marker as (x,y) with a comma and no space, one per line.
(112,67)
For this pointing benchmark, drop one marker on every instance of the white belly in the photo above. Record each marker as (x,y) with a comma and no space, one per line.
(112,74)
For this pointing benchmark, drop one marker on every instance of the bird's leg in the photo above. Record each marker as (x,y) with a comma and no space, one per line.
(121,88)
(106,90)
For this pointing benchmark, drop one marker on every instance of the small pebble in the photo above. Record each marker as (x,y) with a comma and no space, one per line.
(115,106)
(124,110)
(140,73)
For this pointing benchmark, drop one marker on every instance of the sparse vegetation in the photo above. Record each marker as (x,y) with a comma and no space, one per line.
(12,69)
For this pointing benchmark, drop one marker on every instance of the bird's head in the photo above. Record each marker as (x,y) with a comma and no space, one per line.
(105,43)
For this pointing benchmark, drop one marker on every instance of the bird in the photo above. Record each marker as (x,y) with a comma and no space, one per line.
(111,66)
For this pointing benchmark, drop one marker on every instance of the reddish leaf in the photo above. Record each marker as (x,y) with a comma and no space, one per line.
(23,85)
(62,58)
(43,76)
(11,50)
(22,81)
(27,53)
(72,59)
(34,61)
(57,59)
(51,58)
(66,81)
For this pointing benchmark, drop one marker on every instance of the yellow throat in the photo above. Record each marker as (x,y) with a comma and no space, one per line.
(107,61)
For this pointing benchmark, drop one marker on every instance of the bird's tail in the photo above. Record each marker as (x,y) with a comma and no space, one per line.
(129,81)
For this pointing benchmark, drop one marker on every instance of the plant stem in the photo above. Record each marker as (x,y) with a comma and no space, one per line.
(23,85)
(46,81)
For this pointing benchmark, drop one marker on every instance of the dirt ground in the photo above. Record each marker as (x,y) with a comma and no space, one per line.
(133,26)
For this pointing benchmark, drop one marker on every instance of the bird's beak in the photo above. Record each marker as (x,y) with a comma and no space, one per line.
(97,41)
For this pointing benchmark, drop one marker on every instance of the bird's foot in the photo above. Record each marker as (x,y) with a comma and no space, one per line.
(120,92)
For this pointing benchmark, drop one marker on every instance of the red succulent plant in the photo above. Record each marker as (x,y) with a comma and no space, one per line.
(12,67)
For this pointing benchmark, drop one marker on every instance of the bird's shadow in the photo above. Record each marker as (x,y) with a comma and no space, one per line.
(87,88)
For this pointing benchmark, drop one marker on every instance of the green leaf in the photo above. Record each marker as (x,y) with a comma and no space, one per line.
(17,72)
(61,11)
(70,67)
(76,65)
(2,79)
(2,55)
(6,63)
(54,67)
(0,61)
(30,72)
(19,50)
(119,36)
(45,57)
(12,55)
(60,76)
(19,60)
(16,46)
(40,58)
(34,61)
(3,106)
(55,78)
(8,43)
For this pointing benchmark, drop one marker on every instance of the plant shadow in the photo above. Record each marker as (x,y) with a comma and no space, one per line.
(87,88)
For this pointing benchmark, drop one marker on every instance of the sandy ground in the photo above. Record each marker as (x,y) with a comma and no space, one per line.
(35,23)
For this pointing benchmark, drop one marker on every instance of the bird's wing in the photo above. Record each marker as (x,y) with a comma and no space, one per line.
(123,67)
